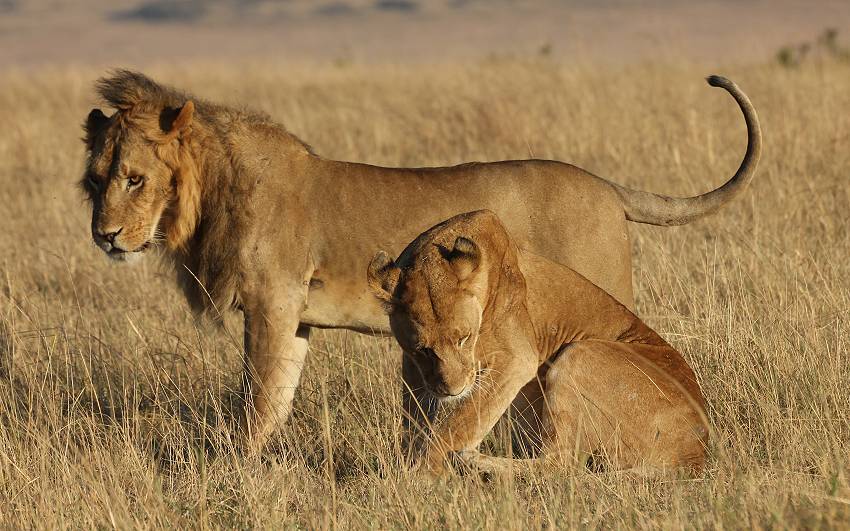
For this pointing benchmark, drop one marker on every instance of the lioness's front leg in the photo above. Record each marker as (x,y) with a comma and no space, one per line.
(457,437)
(275,348)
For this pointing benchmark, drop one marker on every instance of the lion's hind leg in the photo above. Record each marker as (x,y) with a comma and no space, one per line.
(608,406)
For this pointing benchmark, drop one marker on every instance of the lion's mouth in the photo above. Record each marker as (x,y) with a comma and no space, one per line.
(439,392)
(143,247)
(121,254)
(448,397)
(443,394)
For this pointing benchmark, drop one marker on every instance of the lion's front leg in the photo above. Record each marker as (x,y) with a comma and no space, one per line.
(276,349)
(458,436)
(487,467)
(460,433)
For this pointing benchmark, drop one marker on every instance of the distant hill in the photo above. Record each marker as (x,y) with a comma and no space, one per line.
(138,32)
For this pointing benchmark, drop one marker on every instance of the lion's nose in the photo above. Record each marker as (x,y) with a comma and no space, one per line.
(110,236)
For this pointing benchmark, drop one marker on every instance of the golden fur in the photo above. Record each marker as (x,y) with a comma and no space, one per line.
(493,327)
(254,220)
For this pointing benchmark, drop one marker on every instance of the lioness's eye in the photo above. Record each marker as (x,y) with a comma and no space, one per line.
(135,180)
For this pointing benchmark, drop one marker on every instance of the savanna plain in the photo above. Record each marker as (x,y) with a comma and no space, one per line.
(118,408)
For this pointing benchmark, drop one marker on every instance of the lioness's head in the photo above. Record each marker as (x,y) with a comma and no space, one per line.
(436,294)
(139,176)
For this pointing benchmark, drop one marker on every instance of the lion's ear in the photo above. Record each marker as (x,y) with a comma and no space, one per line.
(465,257)
(94,123)
(382,276)
(176,121)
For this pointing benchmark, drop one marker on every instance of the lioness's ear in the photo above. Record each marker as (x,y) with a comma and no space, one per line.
(94,123)
(382,276)
(464,257)
(175,121)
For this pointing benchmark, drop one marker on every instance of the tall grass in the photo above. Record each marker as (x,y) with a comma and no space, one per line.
(117,409)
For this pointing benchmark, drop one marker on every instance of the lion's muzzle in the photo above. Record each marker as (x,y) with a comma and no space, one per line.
(110,242)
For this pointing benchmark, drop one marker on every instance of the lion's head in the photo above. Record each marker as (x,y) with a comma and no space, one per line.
(437,294)
(139,176)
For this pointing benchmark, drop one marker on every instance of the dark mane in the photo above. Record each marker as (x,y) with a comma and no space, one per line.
(127,90)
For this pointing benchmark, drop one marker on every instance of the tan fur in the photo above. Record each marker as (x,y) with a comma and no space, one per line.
(254,220)
(583,374)
(184,212)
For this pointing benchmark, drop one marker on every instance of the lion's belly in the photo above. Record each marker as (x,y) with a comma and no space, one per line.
(553,210)
(334,305)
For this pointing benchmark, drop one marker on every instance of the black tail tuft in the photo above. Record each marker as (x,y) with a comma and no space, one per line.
(719,81)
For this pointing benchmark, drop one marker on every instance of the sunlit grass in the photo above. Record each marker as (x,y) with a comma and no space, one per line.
(118,410)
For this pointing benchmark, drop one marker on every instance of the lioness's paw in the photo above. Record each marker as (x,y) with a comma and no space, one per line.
(485,467)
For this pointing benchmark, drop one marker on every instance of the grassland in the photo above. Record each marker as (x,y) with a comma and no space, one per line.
(117,408)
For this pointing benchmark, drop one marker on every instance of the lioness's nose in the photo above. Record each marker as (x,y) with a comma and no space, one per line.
(110,236)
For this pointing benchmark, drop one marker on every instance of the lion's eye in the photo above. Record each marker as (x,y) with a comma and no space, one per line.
(462,341)
(134,181)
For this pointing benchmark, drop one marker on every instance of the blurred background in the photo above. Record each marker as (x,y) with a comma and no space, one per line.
(133,32)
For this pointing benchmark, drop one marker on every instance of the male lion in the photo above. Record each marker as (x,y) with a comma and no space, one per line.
(254,220)
(479,320)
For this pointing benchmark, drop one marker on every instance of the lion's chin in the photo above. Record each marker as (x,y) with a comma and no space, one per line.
(131,257)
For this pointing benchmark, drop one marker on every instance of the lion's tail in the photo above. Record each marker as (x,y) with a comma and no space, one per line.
(655,209)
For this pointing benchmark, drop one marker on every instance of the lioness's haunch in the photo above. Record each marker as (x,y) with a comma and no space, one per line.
(492,327)
(254,220)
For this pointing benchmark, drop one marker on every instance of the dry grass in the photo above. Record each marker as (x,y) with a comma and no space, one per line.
(116,407)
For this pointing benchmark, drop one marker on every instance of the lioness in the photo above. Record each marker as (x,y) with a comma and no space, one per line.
(254,220)
(479,320)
